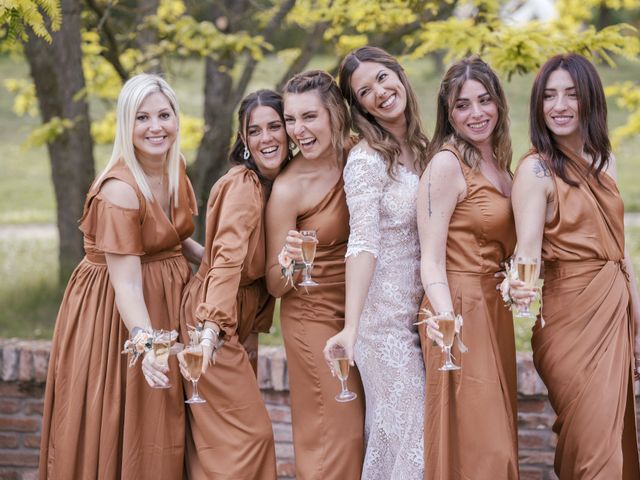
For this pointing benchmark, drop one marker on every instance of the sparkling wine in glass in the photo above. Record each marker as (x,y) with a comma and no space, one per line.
(161,345)
(448,328)
(193,359)
(309,243)
(340,367)
(528,272)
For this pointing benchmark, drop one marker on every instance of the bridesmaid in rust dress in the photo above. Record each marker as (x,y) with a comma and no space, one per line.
(569,212)
(230,436)
(327,435)
(466,231)
(101,419)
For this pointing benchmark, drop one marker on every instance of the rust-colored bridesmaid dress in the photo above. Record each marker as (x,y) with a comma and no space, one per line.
(101,419)
(327,435)
(584,353)
(470,414)
(230,437)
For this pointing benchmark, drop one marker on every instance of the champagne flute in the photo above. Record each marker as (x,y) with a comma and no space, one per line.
(340,367)
(447,325)
(528,272)
(161,345)
(193,359)
(309,243)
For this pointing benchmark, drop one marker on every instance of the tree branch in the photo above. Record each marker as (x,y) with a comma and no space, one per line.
(112,53)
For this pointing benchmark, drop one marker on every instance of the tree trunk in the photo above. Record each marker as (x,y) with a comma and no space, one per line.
(56,70)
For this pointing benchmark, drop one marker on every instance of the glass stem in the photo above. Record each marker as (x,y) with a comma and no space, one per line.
(343,385)
(195,389)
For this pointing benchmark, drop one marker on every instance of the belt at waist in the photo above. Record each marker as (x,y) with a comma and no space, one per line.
(559,268)
(99,258)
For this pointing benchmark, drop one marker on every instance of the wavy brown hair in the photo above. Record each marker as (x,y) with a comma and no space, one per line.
(365,124)
(471,68)
(592,112)
(331,98)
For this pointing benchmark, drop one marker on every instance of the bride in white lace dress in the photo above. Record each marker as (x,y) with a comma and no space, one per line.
(383,287)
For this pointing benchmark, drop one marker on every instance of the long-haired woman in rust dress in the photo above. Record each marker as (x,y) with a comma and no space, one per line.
(466,231)
(230,436)
(102,419)
(569,213)
(309,195)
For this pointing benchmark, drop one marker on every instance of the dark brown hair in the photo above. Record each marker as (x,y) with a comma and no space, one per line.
(332,100)
(471,68)
(592,112)
(264,98)
(366,125)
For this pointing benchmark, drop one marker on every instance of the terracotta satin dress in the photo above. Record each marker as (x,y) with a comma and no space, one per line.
(584,353)
(230,436)
(327,435)
(471,414)
(101,419)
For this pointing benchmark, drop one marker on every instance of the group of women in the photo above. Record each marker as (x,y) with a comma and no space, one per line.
(425,226)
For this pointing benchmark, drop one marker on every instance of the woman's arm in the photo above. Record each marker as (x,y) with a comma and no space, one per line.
(192,251)
(442,187)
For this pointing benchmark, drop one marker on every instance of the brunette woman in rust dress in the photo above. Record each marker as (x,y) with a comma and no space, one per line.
(568,211)
(327,435)
(101,419)
(466,231)
(230,436)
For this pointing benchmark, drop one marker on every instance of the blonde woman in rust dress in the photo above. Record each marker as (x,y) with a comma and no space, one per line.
(102,419)
(466,231)
(230,436)
(309,195)
(569,212)
(383,271)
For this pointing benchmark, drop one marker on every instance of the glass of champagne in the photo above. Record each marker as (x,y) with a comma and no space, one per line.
(447,325)
(161,345)
(309,243)
(340,367)
(528,272)
(193,359)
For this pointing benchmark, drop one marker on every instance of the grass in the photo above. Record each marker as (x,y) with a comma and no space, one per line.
(29,301)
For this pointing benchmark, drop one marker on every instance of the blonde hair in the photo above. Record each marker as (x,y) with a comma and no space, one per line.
(133,93)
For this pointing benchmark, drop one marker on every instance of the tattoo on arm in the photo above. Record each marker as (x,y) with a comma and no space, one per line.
(429,285)
(541,170)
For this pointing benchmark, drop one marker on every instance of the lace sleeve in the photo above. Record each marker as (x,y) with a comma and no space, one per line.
(364,180)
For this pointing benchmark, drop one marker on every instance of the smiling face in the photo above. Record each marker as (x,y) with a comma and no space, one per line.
(308,124)
(379,92)
(155,128)
(474,113)
(266,139)
(560,105)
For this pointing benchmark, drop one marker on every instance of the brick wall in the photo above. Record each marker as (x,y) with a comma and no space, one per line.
(23,369)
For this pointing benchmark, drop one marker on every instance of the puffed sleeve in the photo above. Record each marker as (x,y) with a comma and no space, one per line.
(234,217)
(365,176)
(114,229)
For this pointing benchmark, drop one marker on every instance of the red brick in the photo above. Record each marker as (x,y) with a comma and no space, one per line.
(276,398)
(35,407)
(282,433)
(279,414)
(526,474)
(533,457)
(286,470)
(31,441)
(528,405)
(30,475)
(19,459)
(535,420)
(536,439)
(9,405)
(10,475)
(21,389)
(284,451)
(9,424)
(9,441)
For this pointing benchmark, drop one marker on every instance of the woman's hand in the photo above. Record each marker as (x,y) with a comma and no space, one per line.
(346,339)
(293,245)
(520,294)
(154,372)
(207,354)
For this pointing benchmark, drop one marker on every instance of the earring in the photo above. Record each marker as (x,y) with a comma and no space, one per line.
(246,153)
(292,145)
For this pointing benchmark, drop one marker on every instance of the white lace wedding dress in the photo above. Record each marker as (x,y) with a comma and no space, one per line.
(383,222)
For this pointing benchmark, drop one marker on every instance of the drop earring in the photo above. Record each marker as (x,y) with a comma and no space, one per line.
(246,153)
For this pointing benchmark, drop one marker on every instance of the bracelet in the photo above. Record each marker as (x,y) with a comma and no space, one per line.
(140,343)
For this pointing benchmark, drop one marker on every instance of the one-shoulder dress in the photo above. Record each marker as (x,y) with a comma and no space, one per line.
(101,419)
(584,353)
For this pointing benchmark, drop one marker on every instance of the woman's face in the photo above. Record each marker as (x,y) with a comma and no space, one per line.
(266,140)
(308,124)
(379,92)
(560,105)
(474,113)
(155,128)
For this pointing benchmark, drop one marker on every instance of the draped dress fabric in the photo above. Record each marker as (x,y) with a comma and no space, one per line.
(230,437)
(327,435)
(471,413)
(584,353)
(101,419)
(387,350)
